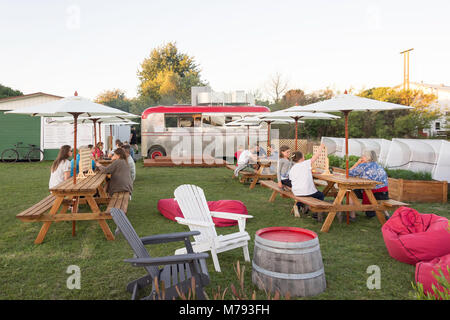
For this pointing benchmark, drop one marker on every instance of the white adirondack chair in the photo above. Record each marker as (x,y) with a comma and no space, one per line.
(197,216)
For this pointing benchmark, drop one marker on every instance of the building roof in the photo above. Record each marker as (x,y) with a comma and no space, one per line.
(26,96)
(440,87)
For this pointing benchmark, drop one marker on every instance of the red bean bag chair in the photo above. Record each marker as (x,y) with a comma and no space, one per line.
(169,208)
(426,271)
(411,237)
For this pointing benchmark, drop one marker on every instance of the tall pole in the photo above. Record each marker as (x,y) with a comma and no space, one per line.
(406,68)
(75,118)
(95,134)
(100,131)
(296,132)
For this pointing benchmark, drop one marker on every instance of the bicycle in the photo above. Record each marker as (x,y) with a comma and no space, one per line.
(32,153)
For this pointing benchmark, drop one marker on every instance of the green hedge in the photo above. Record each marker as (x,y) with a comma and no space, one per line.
(339,162)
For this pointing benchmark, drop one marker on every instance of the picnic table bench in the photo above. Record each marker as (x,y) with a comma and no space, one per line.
(90,191)
(314,204)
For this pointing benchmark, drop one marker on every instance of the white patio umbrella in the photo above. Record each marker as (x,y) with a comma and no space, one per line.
(118,119)
(296,116)
(74,106)
(256,121)
(346,103)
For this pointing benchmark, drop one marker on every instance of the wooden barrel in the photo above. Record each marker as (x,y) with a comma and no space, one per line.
(288,259)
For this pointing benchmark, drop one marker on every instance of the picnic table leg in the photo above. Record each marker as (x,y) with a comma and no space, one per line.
(373,200)
(328,188)
(76,201)
(330,217)
(256,176)
(95,209)
(273,196)
(46,225)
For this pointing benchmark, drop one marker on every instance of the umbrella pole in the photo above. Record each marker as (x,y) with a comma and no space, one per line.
(248,137)
(346,159)
(268,137)
(296,132)
(95,135)
(75,199)
(100,131)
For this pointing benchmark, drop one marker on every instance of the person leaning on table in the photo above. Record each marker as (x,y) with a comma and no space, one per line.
(120,173)
(367,167)
(60,169)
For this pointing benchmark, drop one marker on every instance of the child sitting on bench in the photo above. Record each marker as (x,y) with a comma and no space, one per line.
(244,160)
(301,178)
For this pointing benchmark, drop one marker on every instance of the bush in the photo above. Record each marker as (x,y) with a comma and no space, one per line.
(408,175)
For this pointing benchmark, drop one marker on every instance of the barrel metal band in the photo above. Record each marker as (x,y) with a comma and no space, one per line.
(285,245)
(288,276)
(288,251)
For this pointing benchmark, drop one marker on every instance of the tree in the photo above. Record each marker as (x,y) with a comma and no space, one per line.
(168,75)
(389,124)
(6,92)
(114,98)
(276,87)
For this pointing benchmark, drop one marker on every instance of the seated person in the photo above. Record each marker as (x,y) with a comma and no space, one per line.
(98,151)
(120,173)
(238,152)
(301,178)
(125,143)
(78,162)
(245,159)
(367,167)
(260,152)
(119,144)
(284,166)
(131,164)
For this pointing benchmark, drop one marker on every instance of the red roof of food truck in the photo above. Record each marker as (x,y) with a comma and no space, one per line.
(203,109)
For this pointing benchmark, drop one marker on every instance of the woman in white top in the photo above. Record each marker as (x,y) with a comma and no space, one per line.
(301,177)
(60,169)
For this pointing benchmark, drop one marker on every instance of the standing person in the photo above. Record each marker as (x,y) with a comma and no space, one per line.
(368,168)
(60,169)
(120,173)
(301,177)
(133,139)
(245,158)
(130,160)
(284,165)
(130,150)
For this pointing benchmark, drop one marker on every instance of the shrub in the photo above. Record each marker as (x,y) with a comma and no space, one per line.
(408,175)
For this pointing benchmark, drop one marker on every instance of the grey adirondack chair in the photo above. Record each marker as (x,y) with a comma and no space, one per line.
(177,270)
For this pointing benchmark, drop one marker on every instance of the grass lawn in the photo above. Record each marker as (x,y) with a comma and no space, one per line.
(29,271)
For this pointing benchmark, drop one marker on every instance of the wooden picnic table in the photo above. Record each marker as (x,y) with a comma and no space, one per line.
(105,162)
(261,164)
(66,194)
(348,185)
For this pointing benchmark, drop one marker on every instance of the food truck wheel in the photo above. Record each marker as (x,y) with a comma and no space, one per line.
(156,152)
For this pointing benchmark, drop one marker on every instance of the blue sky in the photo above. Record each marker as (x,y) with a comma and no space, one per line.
(91,46)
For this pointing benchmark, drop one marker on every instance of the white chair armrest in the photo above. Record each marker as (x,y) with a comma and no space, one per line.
(229,215)
(194,222)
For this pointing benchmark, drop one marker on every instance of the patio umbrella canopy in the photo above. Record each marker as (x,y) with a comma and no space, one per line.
(257,120)
(122,119)
(346,103)
(296,116)
(74,106)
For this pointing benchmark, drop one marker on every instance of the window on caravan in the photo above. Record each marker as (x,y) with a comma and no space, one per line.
(171,120)
(213,120)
